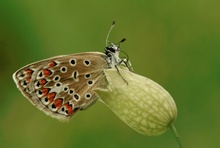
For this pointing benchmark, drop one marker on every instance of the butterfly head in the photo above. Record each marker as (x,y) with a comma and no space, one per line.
(112,53)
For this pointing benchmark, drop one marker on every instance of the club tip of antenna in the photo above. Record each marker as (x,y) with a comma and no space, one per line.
(113,22)
(124,39)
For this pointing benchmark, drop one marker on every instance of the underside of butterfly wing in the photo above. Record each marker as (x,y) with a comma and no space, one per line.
(60,86)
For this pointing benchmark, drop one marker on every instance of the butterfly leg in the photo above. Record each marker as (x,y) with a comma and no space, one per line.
(127,64)
(120,74)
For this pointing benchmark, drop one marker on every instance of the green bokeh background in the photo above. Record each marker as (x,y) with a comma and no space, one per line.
(175,43)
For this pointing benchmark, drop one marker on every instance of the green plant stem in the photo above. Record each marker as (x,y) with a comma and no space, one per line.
(173,129)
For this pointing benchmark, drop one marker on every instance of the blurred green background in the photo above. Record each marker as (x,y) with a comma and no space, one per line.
(175,43)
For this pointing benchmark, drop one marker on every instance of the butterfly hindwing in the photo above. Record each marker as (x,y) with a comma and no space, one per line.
(61,85)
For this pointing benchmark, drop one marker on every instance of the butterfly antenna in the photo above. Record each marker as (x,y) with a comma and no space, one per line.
(124,39)
(113,24)
(127,57)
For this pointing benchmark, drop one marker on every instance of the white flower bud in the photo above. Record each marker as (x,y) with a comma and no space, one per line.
(138,101)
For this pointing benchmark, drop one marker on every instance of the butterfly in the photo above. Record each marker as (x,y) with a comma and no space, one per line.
(62,85)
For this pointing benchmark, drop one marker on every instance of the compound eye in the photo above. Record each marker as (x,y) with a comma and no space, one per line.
(111,49)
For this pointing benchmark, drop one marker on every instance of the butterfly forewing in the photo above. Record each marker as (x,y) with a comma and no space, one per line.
(61,85)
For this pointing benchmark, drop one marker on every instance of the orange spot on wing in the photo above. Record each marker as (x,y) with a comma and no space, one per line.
(52,64)
(28,80)
(58,103)
(43,82)
(45,91)
(69,108)
(51,96)
(47,72)
(29,72)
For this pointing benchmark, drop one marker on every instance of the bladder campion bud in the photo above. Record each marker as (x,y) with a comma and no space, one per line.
(138,101)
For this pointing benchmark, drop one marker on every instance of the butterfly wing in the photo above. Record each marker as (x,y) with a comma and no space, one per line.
(62,85)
